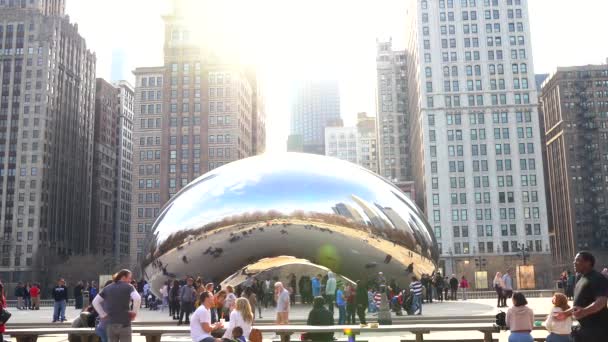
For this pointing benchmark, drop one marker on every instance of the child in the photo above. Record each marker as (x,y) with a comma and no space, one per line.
(237,334)
(558,330)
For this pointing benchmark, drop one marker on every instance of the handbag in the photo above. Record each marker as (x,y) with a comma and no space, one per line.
(4,316)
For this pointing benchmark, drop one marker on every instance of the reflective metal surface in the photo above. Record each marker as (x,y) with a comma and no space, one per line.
(331,212)
(281,267)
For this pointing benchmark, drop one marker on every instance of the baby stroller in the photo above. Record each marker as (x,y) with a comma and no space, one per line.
(396,305)
(153,303)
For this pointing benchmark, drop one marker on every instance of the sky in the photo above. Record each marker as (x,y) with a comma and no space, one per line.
(319,39)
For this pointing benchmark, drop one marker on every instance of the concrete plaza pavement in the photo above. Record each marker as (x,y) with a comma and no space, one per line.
(473,307)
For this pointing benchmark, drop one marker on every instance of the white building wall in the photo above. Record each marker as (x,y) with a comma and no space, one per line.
(437,113)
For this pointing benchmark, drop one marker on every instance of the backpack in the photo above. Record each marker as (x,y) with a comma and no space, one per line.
(501,320)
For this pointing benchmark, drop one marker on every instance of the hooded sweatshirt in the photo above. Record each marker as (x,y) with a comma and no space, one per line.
(330,287)
(520,318)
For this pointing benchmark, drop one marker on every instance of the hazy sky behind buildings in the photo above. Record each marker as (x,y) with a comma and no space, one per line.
(320,39)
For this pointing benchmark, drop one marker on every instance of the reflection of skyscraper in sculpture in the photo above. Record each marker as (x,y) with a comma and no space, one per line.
(402,225)
(348,211)
(373,217)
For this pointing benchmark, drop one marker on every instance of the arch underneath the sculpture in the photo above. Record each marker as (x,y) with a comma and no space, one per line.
(281,268)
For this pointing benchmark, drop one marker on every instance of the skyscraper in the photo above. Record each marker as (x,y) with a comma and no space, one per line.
(392,118)
(314,106)
(201,111)
(476,151)
(112,175)
(124,173)
(574,102)
(104,169)
(46,137)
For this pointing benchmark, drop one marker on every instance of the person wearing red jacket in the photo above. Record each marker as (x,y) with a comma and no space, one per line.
(35,295)
(464,285)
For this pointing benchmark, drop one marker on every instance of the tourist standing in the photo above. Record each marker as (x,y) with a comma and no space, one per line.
(35,295)
(508,287)
(315,284)
(351,307)
(27,299)
(590,295)
(187,296)
(242,317)
(341,304)
(520,319)
(330,291)
(361,301)
(112,305)
(164,292)
(319,315)
(250,295)
(174,299)
(60,295)
(416,292)
(439,285)
(19,293)
(200,324)
(146,293)
(453,287)
(570,285)
(78,299)
(268,293)
(559,331)
(446,289)
(293,289)
(371,305)
(426,283)
(282,300)
(230,299)
(93,290)
(464,285)
(499,286)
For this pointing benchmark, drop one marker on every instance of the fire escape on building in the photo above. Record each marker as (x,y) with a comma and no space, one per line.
(590,179)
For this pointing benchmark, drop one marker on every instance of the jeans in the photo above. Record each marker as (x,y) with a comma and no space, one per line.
(101,331)
(558,338)
(350,313)
(520,337)
(429,294)
(330,303)
(417,304)
(118,332)
(464,293)
(19,303)
(59,311)
(341,314)
(78,302)
(28,302)
(371,306)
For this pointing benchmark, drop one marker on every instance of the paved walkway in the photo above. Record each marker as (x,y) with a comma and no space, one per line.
(473,307)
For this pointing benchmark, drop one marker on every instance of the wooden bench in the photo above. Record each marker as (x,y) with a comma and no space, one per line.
(154,334)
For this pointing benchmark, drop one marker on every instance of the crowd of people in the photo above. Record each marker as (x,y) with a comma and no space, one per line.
(228,314)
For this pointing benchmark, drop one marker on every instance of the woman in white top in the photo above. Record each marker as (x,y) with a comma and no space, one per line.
(498,285)
(559,330)
(230,298)
(164,292)
(242,317)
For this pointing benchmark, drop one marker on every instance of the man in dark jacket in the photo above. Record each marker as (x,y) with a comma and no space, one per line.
(453,287)
(78,301)
(361,300)
(60,294)
(319,315)
(439,285)
(20,293)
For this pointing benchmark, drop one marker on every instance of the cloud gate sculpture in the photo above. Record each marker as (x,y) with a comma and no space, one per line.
(331,212)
